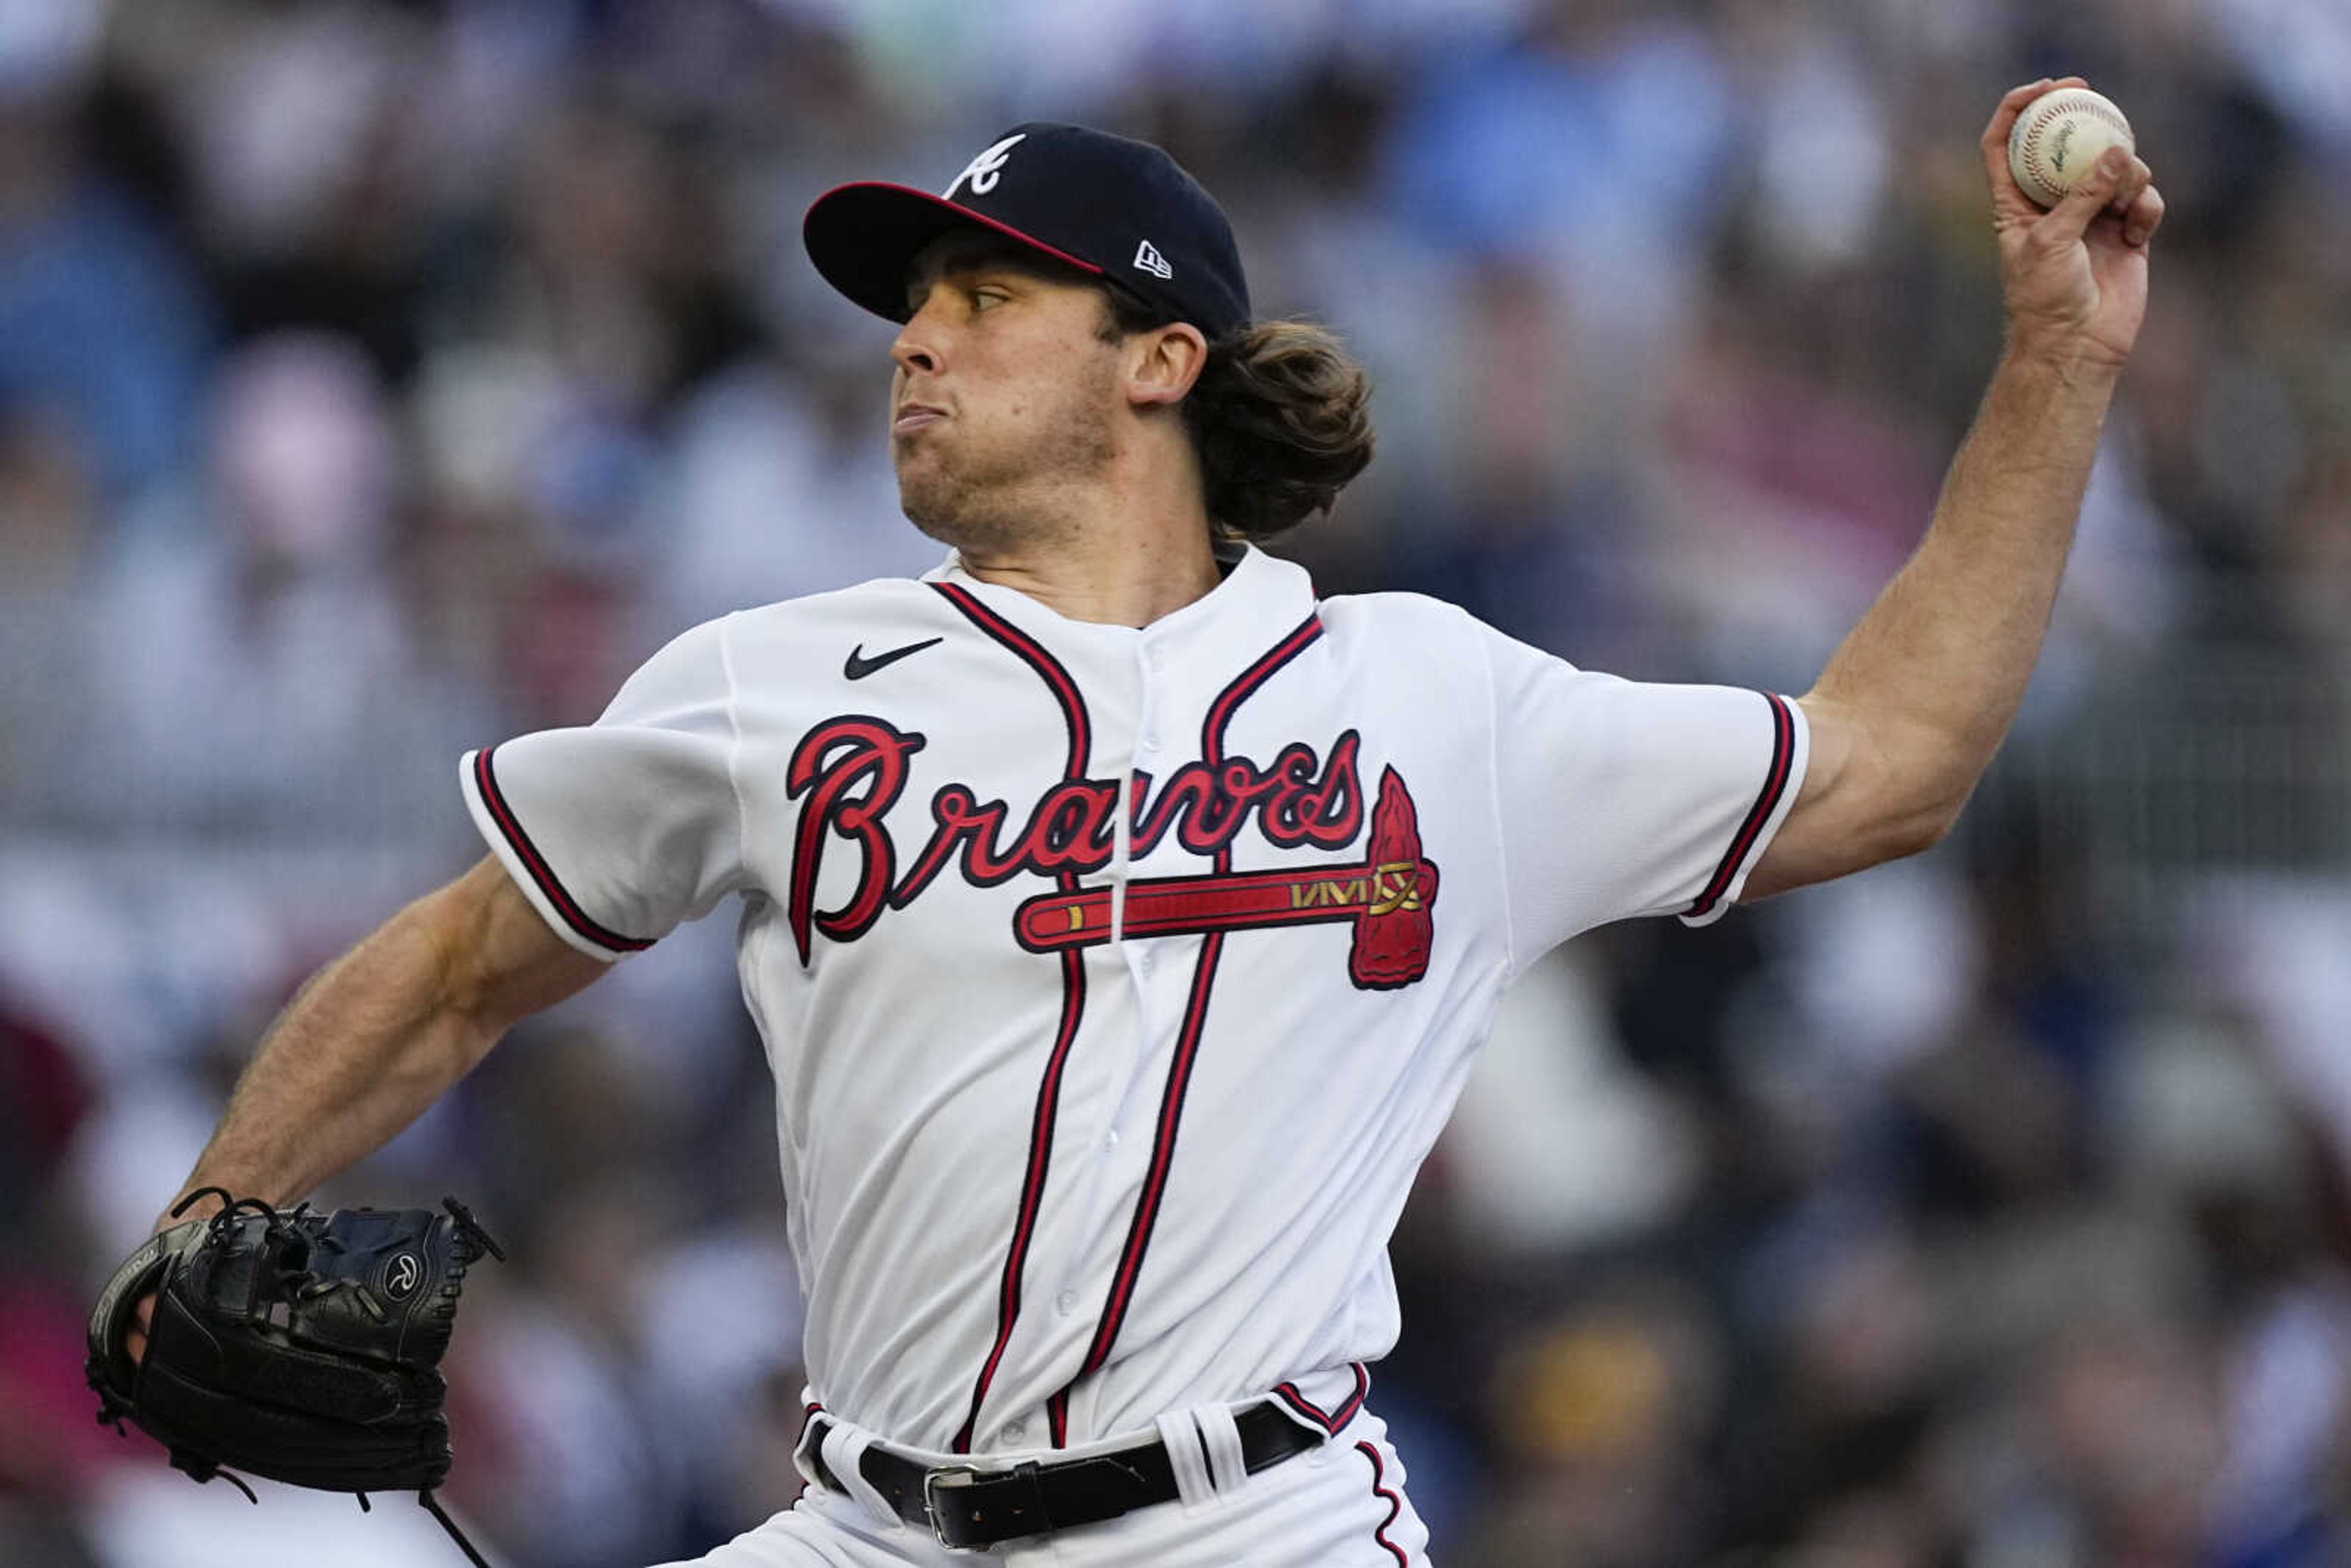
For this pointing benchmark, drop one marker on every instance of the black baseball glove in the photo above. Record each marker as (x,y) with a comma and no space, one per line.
(304,1347)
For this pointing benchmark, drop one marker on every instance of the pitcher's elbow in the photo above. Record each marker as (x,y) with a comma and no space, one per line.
(1924,823)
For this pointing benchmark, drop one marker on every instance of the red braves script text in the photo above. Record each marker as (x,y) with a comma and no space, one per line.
(853,769)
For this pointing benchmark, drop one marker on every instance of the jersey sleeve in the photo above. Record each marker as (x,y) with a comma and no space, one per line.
(618,830)
(1618,797)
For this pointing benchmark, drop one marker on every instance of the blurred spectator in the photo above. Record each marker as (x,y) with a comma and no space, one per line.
(103,327)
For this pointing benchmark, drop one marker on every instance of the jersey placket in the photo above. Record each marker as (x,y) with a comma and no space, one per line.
(1093,1167)
(1145,763)
(1173,1000)
(1135,1066)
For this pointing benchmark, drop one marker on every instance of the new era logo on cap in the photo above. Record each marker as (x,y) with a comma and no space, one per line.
(1078,196)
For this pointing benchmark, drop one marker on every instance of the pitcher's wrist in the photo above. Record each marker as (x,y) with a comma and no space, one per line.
(2071,357)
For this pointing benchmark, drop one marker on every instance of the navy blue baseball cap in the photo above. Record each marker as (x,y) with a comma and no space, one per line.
(1114,208)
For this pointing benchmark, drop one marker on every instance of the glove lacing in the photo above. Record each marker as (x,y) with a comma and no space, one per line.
(279,1227)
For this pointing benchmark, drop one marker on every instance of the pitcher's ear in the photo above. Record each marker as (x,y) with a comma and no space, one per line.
(1165,363)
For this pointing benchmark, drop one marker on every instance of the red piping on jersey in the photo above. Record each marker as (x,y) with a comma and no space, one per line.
(1049,670)
(1163,1154)
(1033,1188)
(1195,1012)
(541,872)
(1220,711)
(1395,1503)
(1775,784)
(1073,1005)
(1329,1421)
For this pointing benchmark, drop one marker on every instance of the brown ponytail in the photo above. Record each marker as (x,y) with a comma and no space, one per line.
(1279,419)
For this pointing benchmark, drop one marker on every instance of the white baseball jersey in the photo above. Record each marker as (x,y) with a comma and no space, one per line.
(1117,981)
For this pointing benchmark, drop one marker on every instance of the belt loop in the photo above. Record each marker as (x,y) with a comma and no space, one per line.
(812,1427)
(1228,1467)
(844,1446)
(1180,1435)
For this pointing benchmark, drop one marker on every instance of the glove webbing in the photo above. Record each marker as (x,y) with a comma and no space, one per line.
(203,1469)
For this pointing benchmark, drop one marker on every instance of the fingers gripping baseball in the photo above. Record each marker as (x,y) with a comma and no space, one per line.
(2074,276)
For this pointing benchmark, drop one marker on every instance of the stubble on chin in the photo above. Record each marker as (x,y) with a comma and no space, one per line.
(972,533)
(993,507)
(952,505)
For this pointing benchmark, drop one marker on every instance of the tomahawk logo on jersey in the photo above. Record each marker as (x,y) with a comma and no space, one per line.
(1070,943)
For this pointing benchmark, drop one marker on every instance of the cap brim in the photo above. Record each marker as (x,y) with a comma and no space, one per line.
(864,239)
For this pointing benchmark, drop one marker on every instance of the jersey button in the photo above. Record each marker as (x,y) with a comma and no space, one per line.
(1066,1302)
(1014,1431)
(1110,1140)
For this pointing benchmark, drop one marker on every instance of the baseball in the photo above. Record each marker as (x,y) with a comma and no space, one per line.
(2058,138)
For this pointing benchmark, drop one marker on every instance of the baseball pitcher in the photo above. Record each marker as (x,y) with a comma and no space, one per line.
(1120,917)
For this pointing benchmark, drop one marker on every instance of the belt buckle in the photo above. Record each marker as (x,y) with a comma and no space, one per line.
(943,1478)
(1013,1512)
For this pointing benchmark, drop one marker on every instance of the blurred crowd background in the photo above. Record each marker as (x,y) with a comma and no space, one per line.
(380,380)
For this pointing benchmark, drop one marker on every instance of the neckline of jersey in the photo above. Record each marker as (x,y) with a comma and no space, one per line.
(1260,591)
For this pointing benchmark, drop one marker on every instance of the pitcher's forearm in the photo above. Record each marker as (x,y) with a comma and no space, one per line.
(1944,656)
(357,1056)
(385,1030)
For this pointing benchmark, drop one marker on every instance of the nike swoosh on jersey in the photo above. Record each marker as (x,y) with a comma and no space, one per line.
(858,666)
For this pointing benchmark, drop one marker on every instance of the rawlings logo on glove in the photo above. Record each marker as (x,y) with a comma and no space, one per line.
(303,1347)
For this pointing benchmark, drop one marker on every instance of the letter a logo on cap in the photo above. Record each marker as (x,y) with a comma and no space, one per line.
(1148,259)
(983,171)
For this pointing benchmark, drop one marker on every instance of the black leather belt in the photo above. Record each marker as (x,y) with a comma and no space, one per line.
(964,1506)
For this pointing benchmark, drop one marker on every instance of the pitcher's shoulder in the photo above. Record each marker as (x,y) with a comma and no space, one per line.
(870,611)
(1400,621)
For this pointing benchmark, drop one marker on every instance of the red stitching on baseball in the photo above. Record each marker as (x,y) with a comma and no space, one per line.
(2048,115)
